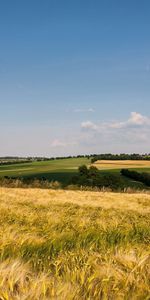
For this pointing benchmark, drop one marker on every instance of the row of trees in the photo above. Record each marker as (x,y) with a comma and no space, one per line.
(3,163)
(93,157)
(123,156)
(141,177)
(17,160)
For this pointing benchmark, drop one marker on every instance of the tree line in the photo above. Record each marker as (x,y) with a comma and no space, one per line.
(9,160)
(141,177)
(122,156)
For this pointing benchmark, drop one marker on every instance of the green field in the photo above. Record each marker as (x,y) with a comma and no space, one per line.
(59,169)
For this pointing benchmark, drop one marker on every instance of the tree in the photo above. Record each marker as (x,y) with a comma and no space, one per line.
(83,170)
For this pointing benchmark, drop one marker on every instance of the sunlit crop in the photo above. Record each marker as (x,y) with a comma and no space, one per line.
(81,245)
(122,164)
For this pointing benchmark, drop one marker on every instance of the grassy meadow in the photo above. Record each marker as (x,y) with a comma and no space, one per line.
(74,245)
(58,169)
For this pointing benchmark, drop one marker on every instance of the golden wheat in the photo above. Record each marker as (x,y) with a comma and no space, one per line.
(121,164)
(74,245)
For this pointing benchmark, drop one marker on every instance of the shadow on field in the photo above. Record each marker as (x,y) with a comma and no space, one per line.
(62,177)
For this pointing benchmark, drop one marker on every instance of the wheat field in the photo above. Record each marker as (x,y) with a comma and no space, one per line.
(121,164)
(57,244)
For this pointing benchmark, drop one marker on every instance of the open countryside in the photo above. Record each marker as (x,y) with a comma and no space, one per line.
(75,150)
(69,165)
(64,170)
(57,169)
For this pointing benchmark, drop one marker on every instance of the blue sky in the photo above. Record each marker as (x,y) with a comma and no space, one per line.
(74,77)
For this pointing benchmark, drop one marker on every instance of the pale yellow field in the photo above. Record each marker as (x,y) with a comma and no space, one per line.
(74,245)
(121,164)
(106,200)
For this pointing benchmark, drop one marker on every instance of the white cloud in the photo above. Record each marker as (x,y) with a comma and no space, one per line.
(138,119)
(56,143)
(80,110)
(130,135)
(88,125)
(134,133)
(135,119)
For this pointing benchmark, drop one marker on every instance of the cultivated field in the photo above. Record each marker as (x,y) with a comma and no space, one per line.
(74,245)
(122,164)
(63,170)
(58,169)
